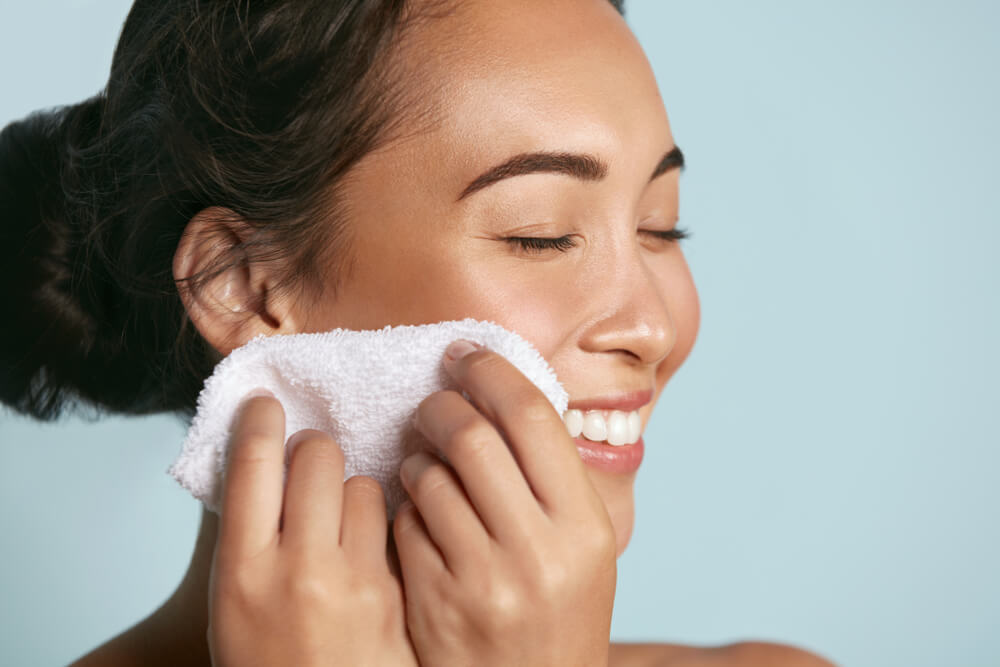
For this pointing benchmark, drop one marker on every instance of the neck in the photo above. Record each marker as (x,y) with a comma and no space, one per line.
(181,623)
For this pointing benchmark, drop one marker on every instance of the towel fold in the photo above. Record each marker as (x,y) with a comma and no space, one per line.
(361,387)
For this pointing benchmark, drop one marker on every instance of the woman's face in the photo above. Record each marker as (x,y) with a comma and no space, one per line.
(617,312)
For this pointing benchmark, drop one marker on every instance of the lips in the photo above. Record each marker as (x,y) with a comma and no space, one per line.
(616,459)
(626,402)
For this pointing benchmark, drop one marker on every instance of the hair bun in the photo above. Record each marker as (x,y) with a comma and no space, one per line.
(50,330)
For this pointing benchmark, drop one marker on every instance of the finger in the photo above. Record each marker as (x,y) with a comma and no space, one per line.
(364,527)
(488,472)
(420,562)
(251,494)
(447,513)
(535,432)
(392,556)
(313,492)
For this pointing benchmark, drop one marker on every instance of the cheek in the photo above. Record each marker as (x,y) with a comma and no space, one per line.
(539,308)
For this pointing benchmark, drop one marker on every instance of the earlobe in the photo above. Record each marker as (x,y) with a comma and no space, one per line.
(236,304)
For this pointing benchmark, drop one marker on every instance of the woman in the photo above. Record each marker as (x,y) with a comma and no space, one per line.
(285,167)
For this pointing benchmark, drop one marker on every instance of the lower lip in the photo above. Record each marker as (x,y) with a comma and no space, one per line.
(609,458)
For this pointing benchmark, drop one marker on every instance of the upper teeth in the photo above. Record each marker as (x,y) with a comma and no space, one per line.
(615,426)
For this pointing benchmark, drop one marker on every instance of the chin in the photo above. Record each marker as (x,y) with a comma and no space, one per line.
(617,492)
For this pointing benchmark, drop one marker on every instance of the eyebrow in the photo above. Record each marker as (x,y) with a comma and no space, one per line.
(583,166)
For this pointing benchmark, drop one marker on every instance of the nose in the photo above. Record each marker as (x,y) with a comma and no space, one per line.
(634,317)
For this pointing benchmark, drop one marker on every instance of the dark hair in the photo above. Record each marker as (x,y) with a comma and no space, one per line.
(207,104)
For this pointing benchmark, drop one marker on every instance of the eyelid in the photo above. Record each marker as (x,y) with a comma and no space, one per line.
(537,245)
(675,234)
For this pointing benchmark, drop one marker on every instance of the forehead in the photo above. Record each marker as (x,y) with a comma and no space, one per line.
(517,76)
(534,72)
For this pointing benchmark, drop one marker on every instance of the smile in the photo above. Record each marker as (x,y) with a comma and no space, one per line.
(613,427)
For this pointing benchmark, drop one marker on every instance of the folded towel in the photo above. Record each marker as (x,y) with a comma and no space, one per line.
(361,387)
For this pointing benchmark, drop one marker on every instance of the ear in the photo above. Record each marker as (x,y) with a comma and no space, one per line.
(239,303)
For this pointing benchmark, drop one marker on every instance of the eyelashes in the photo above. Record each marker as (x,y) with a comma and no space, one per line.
(532,244)
(564,243)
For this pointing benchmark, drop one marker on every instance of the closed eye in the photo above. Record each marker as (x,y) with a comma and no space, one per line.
(564,243)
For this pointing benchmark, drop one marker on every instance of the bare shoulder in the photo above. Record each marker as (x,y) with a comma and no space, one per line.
(112,653)
(140,646)
(740,654)
(129,649)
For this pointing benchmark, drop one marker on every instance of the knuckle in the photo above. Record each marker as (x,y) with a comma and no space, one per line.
(472,436)
(368,597)
(505,608)
(533,411)
(602,540)
(596,548)
(547,574)
(608,544)
(252,449)
(405,520)
(433,480)
(593,529)
(483,361)
(552,580)
(309,590)
(362,485)
(237,588)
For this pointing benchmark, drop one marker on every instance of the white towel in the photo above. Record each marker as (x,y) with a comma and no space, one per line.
(361,387)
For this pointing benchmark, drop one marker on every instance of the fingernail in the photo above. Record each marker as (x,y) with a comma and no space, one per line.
(292,443)
(414,465)
(407,469)
(459,348)
(259,391)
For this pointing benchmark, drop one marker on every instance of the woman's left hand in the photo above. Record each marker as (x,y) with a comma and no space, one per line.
(508,556)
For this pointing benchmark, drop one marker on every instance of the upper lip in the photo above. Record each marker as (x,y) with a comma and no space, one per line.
(628,401)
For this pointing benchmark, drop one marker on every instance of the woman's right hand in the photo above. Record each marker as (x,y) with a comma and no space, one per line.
(300,575)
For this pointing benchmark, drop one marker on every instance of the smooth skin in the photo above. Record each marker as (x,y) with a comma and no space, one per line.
(616,312)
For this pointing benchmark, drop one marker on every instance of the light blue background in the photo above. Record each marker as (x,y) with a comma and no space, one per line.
(823,471)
